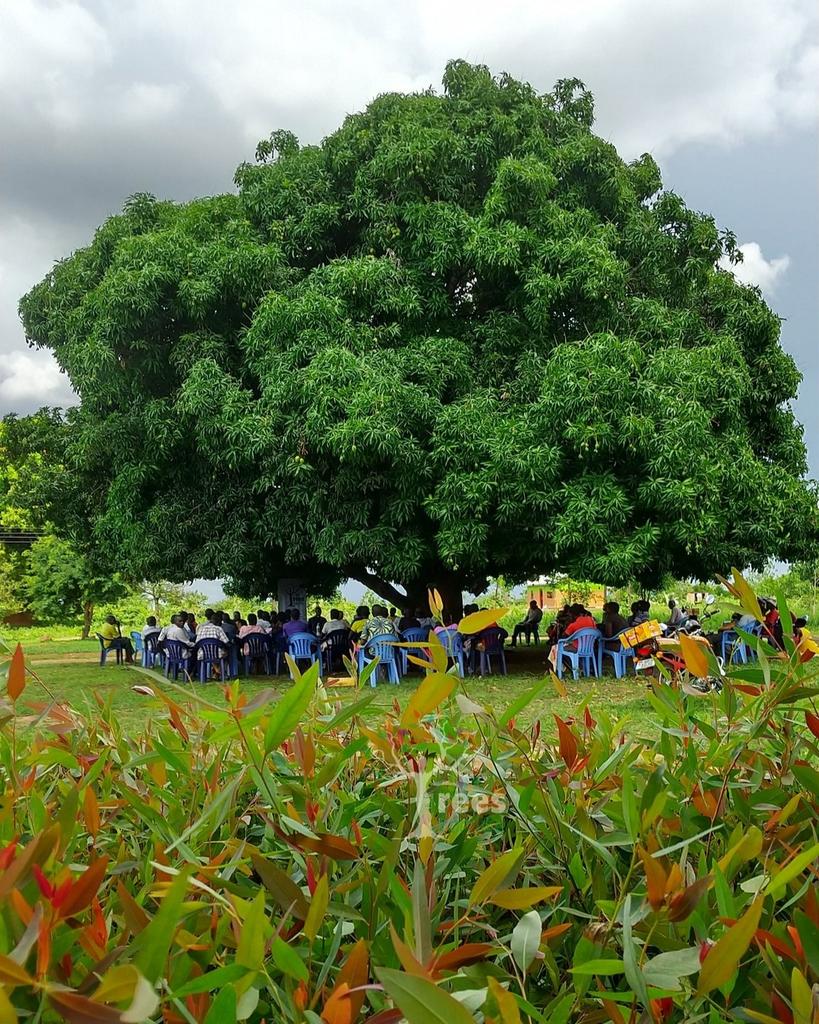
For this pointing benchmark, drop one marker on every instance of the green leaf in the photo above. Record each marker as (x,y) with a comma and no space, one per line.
(497,876)
(223,1008)
(287,714)
(211,980)
(634,976)
(666,969)
(420,1001)
(526,939)
(792,869)
(522,701)
(288,960)
(250,952)
(604,968)
(318,908)
(154,941)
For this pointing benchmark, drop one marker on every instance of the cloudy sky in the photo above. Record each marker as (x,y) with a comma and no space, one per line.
(103,98)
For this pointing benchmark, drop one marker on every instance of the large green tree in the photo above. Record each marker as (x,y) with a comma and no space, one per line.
(460,337)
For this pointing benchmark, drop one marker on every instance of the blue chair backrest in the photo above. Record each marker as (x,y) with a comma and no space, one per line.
(136,636)
(149,642)
(415,634)
(176,650)
(451,640)
(586,640)
(210,649)
(383,647)
(492,639)
(302,645)
(258,645)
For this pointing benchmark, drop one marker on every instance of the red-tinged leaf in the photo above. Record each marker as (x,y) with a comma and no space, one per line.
(752,691)
(77,1009)
(469,953)
(335,847)
(780,1009)
(406,956)
(391,1016)
(91,811)
(764,937)
(683,904)
(812,723)
(590,723)
(16,682)
(567,743)
(135,917)
(43,884)
(85,888)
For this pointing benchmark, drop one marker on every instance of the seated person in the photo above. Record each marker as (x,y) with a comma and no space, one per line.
(772,628)
(362,613)
(408,621)
(581,619)
(675,618)
(316,622)
(335,622)
(176,631)
(227,624)
(425,618)
(112,638)
(251,627)
(612,621)
(639,613)
(394,615)
(296,624)
(529,624)
(150,628)
(211,629)
(263,620)
(379,624)
(187,620)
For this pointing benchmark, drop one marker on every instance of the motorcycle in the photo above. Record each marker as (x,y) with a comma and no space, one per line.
(662,650)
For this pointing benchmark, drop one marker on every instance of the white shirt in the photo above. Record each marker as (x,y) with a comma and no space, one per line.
(267,627)
(149,630)
(331,625)
(174,632)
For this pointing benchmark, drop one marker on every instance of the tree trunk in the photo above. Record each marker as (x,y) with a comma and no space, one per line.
(87,619)
(451,589)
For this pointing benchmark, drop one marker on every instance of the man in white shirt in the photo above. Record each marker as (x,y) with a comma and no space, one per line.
(150,628)
(175,632)
(336,621)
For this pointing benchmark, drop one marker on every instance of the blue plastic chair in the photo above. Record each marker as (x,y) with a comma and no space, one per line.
(177,657)
(619,655)
(136,640)
(105,651)
(492,641)
(733,650)
(305,647)
(589,643)
(381,647)
(212,654)
(258,649)
(415,634)
(453,644)
(150,655)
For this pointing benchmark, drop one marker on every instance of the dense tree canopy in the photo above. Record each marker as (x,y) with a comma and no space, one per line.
(461,336)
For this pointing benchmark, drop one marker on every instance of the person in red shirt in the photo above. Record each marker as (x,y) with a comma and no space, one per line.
(581,619)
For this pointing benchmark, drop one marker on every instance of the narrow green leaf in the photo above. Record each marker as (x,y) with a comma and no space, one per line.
(154,941)
(420,1001)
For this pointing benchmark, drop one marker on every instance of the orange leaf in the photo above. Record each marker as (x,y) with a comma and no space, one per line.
(812,723)
(331,846)
(16,682)
(683,903)
(567,742)
(337,1009)
(554,931)
(85,888)
(91,811)
(655,878)
(469,953)
(407,958)
(354,974)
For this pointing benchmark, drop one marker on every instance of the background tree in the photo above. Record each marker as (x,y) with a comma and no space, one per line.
(460,338)
(60,583)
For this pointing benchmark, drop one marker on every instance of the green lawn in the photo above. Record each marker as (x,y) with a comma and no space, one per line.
(70,671)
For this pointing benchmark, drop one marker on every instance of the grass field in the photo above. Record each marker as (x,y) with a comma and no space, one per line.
(70,672)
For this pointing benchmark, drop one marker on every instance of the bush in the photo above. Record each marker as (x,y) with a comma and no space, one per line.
(281,860)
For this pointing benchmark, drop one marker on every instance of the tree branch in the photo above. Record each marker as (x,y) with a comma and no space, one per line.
(380,586)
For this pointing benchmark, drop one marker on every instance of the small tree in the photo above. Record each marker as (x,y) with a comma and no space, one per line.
(61,584)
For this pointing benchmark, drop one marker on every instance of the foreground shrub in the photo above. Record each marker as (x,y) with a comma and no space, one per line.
(280,859)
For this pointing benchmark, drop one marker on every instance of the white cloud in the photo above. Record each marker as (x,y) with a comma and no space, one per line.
(756,269)
(31,379)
